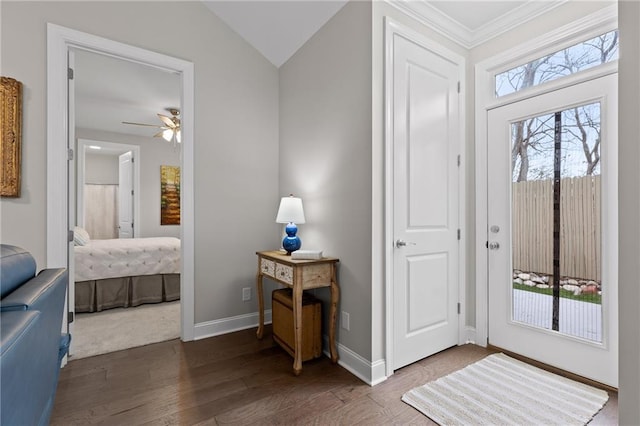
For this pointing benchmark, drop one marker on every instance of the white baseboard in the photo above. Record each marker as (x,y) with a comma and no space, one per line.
(371,373)
(229,325)
(378,372)
(470,333)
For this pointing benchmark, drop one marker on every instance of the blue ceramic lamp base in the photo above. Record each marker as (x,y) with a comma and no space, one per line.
(291,242)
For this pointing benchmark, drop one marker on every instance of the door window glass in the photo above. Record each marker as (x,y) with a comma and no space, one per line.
(556,231)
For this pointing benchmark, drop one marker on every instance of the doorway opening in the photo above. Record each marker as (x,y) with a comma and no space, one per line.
(61,213)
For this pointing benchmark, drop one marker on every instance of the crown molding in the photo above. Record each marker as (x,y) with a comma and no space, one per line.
(437,20)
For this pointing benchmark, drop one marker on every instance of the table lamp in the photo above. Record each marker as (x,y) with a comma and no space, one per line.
(290,212)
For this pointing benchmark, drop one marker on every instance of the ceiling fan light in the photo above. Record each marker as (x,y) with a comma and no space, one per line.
(179,136)
(167,135)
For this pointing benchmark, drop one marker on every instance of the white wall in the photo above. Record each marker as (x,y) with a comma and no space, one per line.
(236,132)
(325,156)
(629,213)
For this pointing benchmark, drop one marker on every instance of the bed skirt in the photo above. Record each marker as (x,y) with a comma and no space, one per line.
(97,295)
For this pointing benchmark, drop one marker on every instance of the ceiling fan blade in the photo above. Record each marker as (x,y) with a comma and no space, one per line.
(142,124)
(166,120)
(158,135)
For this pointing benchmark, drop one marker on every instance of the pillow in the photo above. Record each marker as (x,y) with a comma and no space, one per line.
(80,236)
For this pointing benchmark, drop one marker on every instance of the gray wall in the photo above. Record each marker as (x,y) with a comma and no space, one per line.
(236,132)
(154,152)
(629,213)
(325,156)
(101,169)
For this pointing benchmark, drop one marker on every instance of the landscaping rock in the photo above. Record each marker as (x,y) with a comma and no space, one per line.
(575,285)
(537,279)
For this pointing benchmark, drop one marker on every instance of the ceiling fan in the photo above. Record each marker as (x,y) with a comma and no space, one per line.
(170,126)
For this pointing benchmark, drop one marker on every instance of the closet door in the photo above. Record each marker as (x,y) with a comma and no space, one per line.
(125,210)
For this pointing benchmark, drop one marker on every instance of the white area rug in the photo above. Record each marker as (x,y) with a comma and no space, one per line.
(499,390)
(122,328)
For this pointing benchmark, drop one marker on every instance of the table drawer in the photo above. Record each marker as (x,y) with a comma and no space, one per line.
(284,273)
(268,267)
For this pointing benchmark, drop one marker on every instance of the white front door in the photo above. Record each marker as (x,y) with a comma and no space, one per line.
(125,198)
(425,201)
(552,237)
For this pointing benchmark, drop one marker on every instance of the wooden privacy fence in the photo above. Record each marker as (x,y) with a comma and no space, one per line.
(580,228)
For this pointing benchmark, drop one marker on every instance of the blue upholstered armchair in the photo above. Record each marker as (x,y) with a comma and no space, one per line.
(31,345)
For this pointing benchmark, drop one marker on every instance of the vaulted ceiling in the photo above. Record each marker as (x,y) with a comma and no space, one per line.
(277,29)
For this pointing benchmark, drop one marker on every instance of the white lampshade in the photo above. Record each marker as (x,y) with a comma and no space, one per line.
(167,135)
(172,135)
(290,210)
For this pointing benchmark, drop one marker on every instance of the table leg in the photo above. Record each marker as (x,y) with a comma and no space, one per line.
(260,331)
(297,324)
(335,296)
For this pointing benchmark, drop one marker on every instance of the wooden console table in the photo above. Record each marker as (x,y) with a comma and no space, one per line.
(300,275)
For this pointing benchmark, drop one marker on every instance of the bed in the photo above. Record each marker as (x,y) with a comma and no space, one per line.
(126,272)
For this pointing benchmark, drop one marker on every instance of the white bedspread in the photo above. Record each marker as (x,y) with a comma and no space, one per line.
(125,257)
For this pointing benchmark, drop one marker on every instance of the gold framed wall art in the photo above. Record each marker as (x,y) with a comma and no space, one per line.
(169,195)
(10,136)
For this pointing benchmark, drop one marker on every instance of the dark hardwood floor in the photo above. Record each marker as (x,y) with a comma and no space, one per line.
(237,379)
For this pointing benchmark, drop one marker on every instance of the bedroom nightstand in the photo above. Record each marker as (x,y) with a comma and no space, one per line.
(299,275)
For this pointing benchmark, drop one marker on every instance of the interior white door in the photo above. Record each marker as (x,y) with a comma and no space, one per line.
(578,331)
(425,202)
(125,198)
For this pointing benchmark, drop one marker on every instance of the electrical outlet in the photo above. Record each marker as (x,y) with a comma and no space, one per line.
(246,294)
(344,320)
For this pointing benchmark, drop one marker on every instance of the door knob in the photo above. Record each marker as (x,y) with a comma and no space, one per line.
(402,243)
(493,245)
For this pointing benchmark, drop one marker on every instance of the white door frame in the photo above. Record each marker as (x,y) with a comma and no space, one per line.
(80,155)
(392,28)
(590,26)
(59,41)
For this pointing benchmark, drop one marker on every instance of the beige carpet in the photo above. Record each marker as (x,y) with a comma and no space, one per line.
(499,390)
(122,328)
